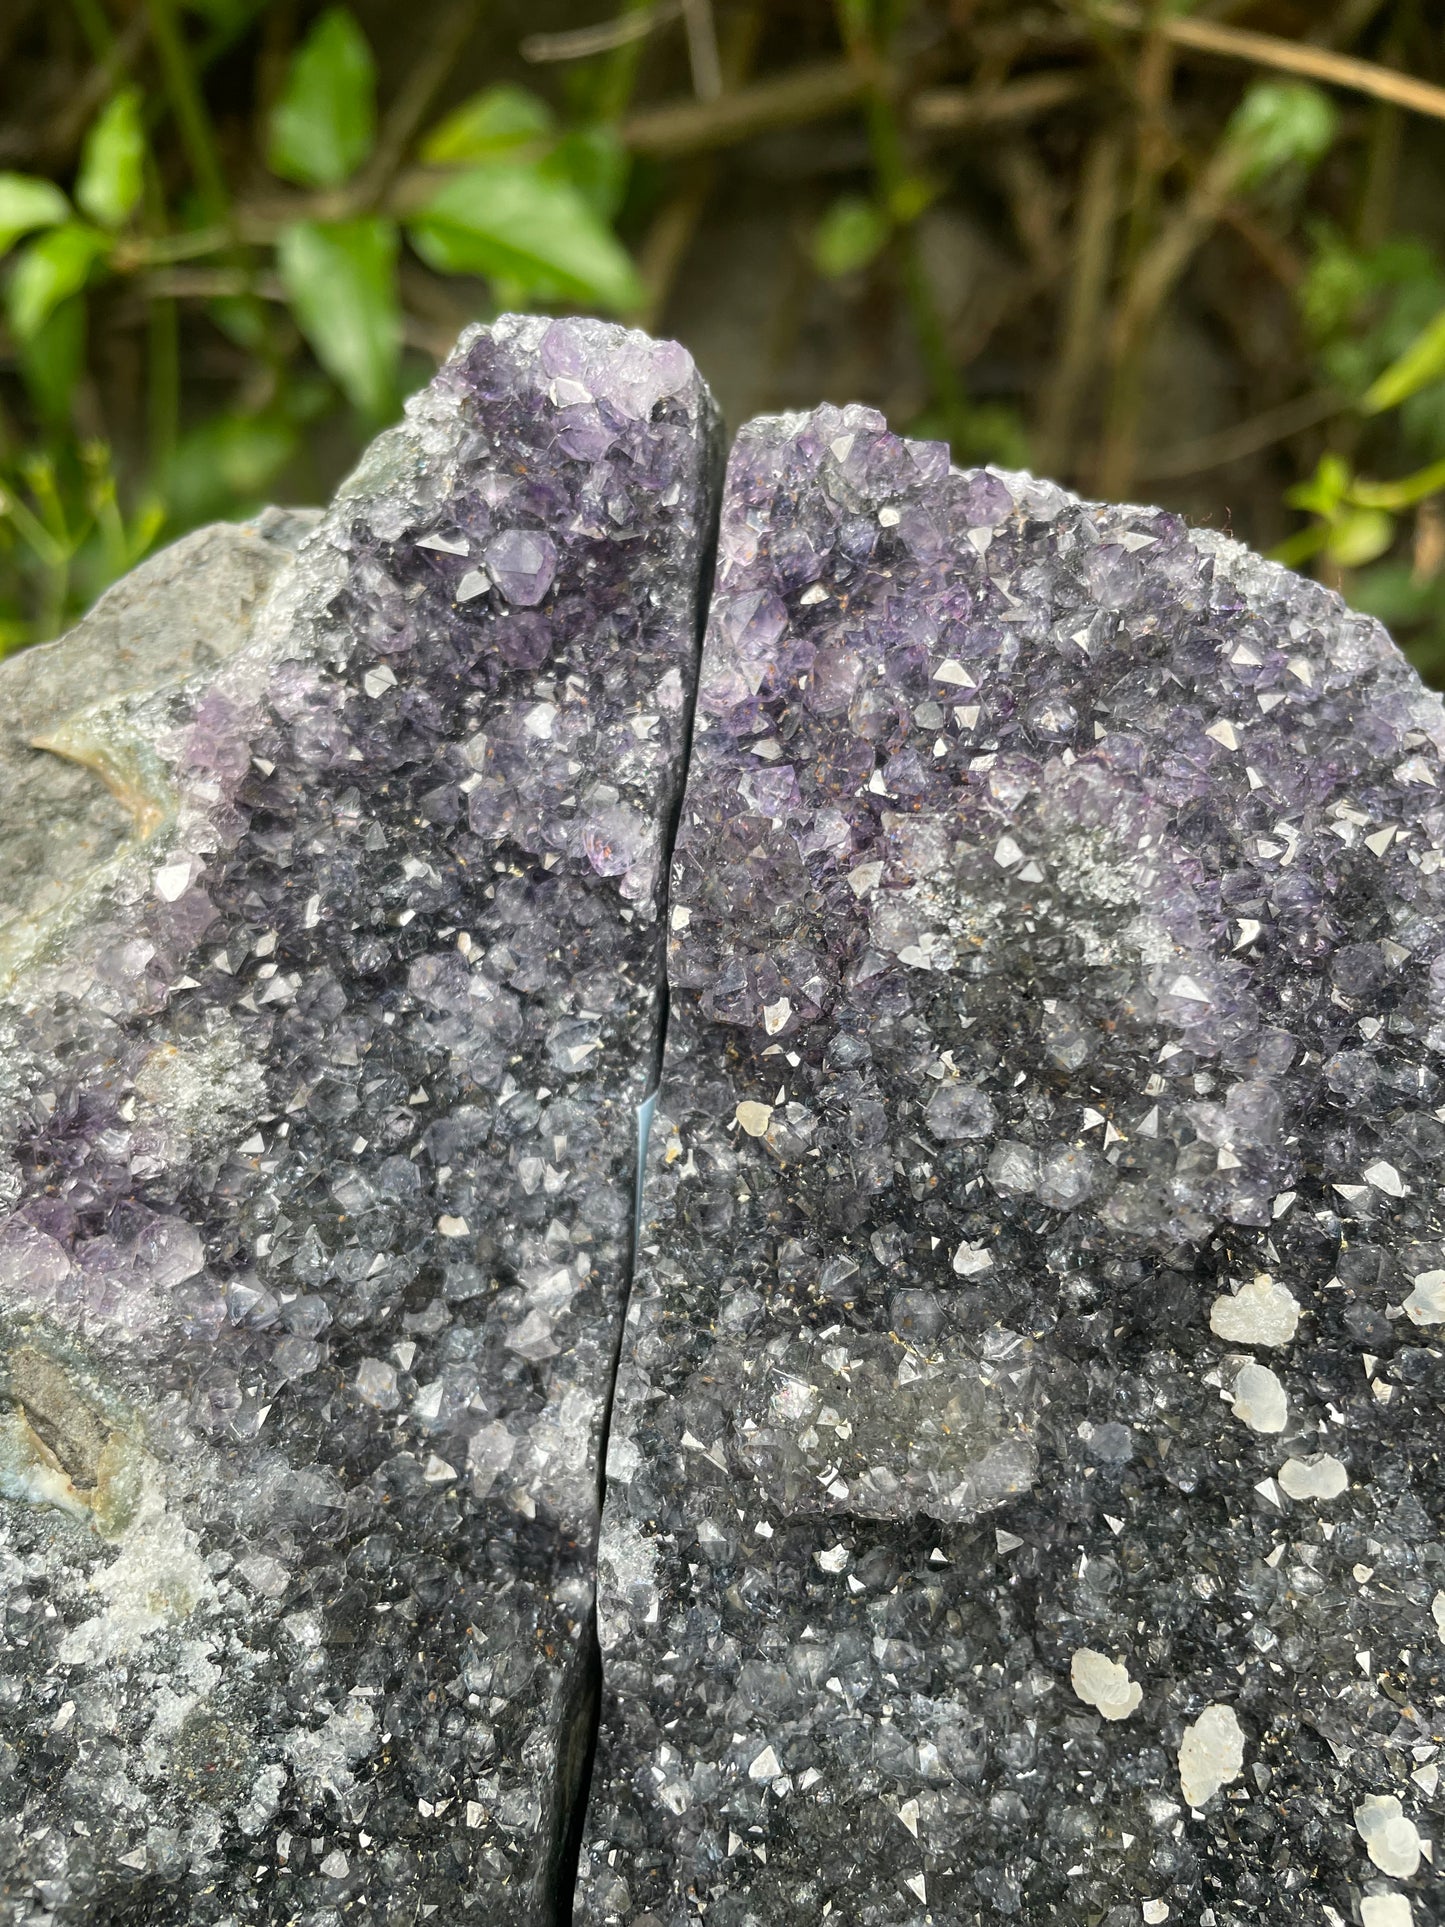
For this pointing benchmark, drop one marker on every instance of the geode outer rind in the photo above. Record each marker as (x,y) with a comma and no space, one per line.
(317,1145)
(1030,1421)
(179,614)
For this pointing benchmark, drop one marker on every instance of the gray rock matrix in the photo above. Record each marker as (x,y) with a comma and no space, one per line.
(1024,1479)
(321,1043)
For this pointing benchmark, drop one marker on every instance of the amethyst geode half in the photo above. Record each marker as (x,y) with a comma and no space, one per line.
(1025,1483)
(317,1143)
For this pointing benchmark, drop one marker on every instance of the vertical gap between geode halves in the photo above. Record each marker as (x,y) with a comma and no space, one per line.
(577,1757)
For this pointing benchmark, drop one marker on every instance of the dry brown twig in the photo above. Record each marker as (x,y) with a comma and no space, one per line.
(1155,274)
(1081,329)
(949,110)
(420,89)
(581,43)
(1300,57)
(673,227)
(1240,439)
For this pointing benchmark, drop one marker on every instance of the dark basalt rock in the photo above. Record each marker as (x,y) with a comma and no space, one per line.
(317,1140)
(1025,1483)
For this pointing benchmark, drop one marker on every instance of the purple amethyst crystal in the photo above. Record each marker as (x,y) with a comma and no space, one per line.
(1025,1480)
(317,1145)
(1025,1483)
(522,563)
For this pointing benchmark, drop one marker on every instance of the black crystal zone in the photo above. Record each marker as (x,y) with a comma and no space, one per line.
(319,1149)
(1041,1270)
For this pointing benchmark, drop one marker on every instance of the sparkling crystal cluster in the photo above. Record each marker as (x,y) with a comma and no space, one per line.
(317,1139)
(1025,1484)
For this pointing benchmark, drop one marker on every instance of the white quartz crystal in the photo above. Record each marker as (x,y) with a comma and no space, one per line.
(1258,1399)
(1321,1476)
(1211,1754)
(1426,1303)
(1259,1313)
(1104,1684)
(1386,1910)
(1389,1835)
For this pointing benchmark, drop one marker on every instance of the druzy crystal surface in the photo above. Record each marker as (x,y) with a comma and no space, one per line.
(1025,1480)
(1025,1484)
(317,1139)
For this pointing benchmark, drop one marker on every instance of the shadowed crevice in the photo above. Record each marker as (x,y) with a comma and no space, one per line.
(579,1752)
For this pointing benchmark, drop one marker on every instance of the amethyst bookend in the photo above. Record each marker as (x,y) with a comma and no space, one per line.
(317,1145)
(1025,1484)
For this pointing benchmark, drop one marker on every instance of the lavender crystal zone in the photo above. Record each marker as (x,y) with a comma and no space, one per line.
(1054,1060)
(316,1163)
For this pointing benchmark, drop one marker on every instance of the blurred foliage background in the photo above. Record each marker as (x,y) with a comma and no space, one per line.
(1190,253)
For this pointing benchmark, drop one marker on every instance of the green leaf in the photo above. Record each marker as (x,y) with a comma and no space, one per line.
(1301,547)
(1281,125)
(340,278)
(1359,536)
(323,126)
(1423,362)
(1391,592)
(490,124)
(513,223)
(1411,608)
(1367,310)
(53,358)
(596,163)
(1325,490)
(226,464)
(848,237)
(26,203)
(112,164)
(242,319)
(1404,492)
(49,271)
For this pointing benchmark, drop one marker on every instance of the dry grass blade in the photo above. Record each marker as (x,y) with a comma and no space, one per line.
(696,126)
(1241,439)
(702,51)
(825,87)
(581,43)
(1082,329)
(1292,57)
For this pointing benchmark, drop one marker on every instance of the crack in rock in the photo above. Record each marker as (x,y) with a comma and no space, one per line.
(925,1122)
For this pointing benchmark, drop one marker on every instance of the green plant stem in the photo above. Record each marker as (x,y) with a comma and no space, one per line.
(1301,547)
(104,506)
(40,473)
(189,108)
(619,72)
(56,556)
(97,30)
(1155,275)
(31,529)
(890,164)
(164,384)
(1153,81)
(198,135)
(1082,328)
